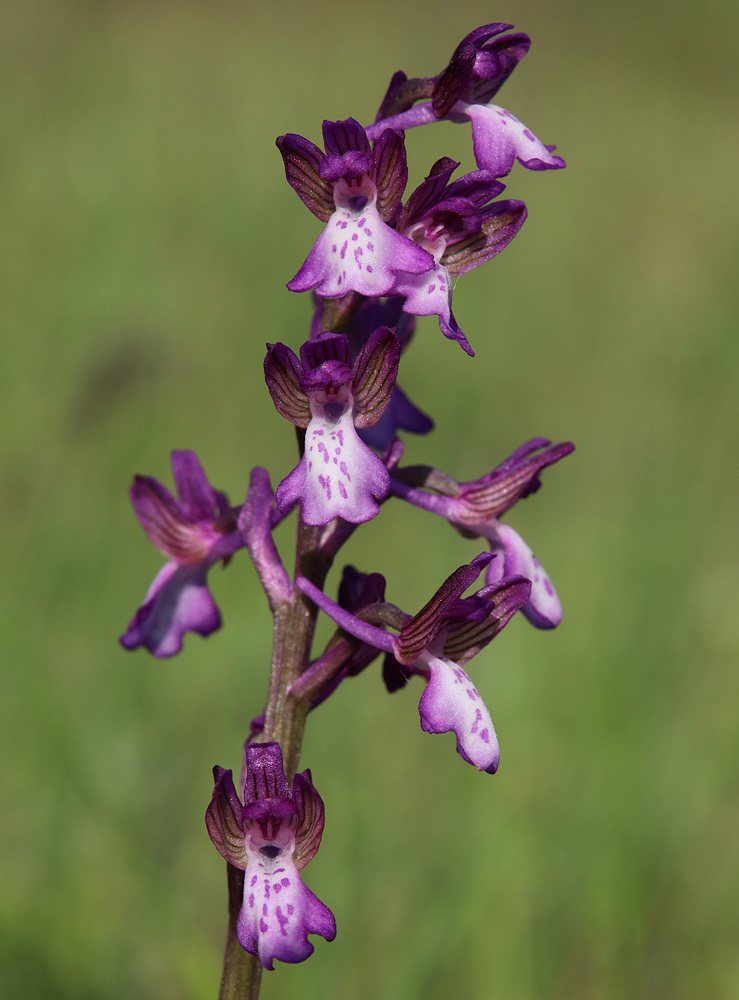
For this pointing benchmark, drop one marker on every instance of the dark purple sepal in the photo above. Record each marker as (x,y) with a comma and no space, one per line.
(302,161)
(514,479)
(470,633)
(418,633)
(164,522)
(403,93)
(311,818)
(223,818)
(283,373)
(391,173)
(500,223)
(373,376)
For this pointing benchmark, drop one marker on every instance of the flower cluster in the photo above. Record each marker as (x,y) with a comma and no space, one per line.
(382,259)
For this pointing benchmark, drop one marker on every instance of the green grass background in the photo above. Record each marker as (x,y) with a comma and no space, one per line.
(146,235)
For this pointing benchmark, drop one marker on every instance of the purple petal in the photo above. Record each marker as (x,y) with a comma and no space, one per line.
(543,609)
(452,703)
(178,601)
(197,498)
(499,138)
(340,137)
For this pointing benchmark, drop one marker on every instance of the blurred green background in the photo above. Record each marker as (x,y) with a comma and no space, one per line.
(147,232)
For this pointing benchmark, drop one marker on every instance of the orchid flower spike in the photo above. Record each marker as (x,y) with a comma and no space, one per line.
(194,532)
(274,834)
(356,191)
(475,508)
(435,643)
(479,66)
(338,475)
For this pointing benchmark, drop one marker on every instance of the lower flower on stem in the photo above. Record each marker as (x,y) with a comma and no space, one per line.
(276,832)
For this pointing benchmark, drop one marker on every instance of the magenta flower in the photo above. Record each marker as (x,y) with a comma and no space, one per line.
(338,474)
(462,92)
(461,227)
(194,532)
(476,506)
(274,834)
(435,644)
(356,191)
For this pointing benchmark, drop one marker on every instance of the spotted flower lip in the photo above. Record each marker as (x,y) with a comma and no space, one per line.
(194,532)
(475,508)
(274,834)
(447,632)
(338,474)
(356,191)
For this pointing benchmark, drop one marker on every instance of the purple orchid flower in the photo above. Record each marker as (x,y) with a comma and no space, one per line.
(194,532)
(475,508)
(356,191)
(460,226)
(462,92)
(271,837)
(338,475)
(436,642)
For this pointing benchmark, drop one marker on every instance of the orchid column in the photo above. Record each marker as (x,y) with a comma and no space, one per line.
(381,260)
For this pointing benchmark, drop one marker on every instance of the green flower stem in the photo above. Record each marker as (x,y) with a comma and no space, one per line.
(242,972)
(293,627)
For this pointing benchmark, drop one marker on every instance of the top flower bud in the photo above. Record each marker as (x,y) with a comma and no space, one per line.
(357,191)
